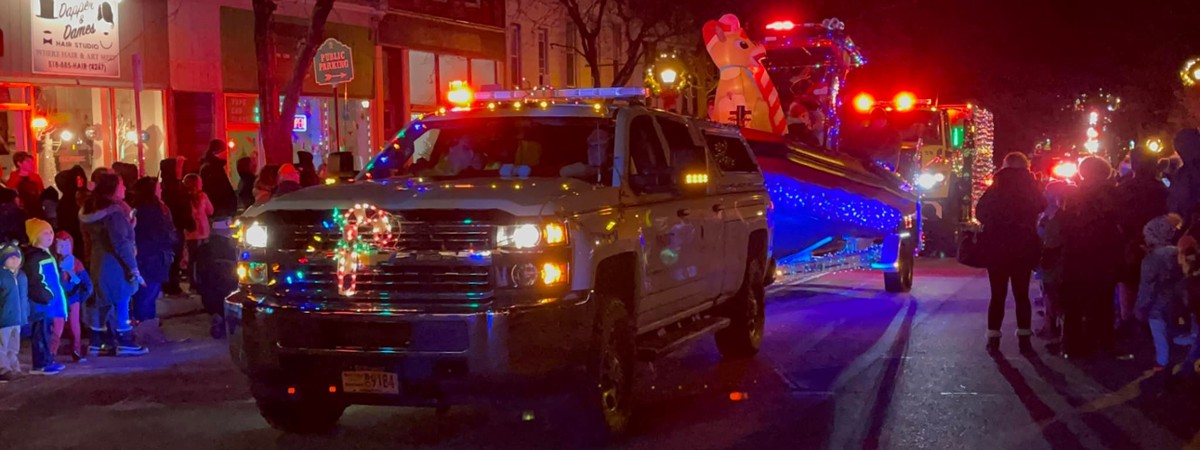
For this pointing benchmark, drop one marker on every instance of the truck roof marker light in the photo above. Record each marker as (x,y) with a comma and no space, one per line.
(517,105)
(781,25)
(864,102)
(460,94)
(905,101)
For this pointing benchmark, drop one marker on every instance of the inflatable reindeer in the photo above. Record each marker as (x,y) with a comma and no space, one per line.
(744,81)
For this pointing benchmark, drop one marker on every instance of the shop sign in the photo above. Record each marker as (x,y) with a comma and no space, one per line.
(241,110)
(300,123)
(333,63)
(75,37)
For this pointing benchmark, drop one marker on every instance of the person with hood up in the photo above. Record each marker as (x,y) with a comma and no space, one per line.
(246,179)
(216,181)
(72,187)
(1184,194)
(155,239)
(1162,283)
(1092,255)
(1009,212)
(1050,231)
(14,310)
(108,223)
(175,196)
(308,171)
(289,180)
(264,186)
(1142,198)
(47,300)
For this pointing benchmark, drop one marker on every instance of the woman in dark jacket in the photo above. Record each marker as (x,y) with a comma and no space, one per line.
(108,225)
(1008,211)
(246,179)
(155,242)
(179,203)
(72,184)
(216,181)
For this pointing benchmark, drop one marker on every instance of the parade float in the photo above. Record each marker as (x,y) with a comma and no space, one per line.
(832,210)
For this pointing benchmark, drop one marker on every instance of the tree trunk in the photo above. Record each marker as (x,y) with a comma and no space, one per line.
(276,132)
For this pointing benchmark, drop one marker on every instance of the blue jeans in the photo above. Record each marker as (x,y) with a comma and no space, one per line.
(43,355)
(145,302)
(114,317)
(1189,364)
(1162,341)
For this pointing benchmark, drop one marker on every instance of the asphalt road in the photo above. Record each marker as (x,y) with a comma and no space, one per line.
(843,365)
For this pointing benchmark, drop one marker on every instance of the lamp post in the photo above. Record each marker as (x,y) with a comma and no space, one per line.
(670,76)
(1190,73)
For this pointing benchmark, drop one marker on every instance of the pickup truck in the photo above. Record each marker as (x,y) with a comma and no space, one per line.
(536,245)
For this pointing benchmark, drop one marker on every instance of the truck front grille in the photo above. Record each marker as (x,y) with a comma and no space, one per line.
(396,282)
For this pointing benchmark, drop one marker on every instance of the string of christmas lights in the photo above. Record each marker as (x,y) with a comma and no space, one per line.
(353,250)
(983,166)
(794,197)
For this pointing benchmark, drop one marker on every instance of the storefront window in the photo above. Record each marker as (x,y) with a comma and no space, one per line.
(483,72)
(153,129)
(422,79)
(451,68)
(313,127)
(78,131)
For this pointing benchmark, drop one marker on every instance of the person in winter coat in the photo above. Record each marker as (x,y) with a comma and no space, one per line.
(72,185)
(1162,283)
(155,242)
(246,179)
(1184,194)
(47,300)
(14,310)
(175,196)
(1050,224)
(217,264)
(1092,254)
(264,187)
(1189,259)
(28,184)
(289,180)
(127,172)
(1142,198)
(216,182)
(202,210)
(1009,212)
(107,221)
(308,171)
(77,285)
(12,218)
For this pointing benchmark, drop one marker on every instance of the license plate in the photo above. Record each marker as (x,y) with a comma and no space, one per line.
(370,382)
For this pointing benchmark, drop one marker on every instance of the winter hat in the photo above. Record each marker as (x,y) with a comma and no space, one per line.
(288,172)
(35,227)
(8,250)
(1161,230)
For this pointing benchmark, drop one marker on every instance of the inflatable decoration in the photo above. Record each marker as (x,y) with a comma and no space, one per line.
(744,81)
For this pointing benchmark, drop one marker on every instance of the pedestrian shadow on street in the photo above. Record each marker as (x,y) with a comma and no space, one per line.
(1055,431)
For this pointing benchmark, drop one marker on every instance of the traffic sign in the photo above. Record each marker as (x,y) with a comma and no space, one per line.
(333,65)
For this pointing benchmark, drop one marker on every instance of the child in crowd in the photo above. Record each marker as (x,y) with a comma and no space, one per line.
(14,310)
(48,303)
(202,210)
(216,263)
(77,285)
(1162,283)
(1050,231)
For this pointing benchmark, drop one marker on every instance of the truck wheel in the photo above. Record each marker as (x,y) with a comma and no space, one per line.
(902,279)
(747,314)
(608,387)
(302,416)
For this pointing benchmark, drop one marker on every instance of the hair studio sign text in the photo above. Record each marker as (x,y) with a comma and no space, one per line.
(76,37)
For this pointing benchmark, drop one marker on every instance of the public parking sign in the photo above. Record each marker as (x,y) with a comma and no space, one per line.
(333,63)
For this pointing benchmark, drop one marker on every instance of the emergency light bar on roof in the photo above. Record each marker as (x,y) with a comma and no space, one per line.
(609,93)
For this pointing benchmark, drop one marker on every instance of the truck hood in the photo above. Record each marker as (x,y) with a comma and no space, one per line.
(519,197)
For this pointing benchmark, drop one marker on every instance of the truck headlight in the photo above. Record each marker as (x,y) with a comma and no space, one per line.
(530,235)
(255,235)
(929,180)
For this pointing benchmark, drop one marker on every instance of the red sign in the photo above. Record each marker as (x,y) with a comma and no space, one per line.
(241,110)
(300,123)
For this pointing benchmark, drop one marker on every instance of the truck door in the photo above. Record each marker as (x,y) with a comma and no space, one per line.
(666,238)
(689,161)
(740,203)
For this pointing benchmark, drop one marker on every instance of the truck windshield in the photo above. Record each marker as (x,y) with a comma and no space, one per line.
(574,147)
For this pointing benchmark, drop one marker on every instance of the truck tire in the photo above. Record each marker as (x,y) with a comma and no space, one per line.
(302,416)
(902,279)
(747,315)
(607,391)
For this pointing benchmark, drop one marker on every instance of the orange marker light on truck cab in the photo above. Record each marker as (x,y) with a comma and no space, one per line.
(864,102)
(905,101)
(460,94)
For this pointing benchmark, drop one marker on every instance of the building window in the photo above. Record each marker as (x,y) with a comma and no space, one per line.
(543,38)
(572,65)
(483,72)
(514,53)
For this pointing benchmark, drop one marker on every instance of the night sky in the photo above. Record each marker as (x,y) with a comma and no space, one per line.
(1023,59)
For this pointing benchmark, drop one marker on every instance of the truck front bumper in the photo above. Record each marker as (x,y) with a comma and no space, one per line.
(439,356)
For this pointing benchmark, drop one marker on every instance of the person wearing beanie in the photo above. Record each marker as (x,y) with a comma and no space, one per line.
(77,285)
(14,310)
(47,301)
(289,180)
(1162,285)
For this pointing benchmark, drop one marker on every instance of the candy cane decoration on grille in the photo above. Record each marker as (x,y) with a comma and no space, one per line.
(353,249)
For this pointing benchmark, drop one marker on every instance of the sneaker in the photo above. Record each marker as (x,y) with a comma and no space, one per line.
(126,346)
(52,369)
(78,357)
(9,376)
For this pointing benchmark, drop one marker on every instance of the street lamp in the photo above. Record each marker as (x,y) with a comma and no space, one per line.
(1190,74)
(668,76)
(1155,145)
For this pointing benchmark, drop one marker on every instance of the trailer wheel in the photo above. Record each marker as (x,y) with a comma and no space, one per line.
(902,279)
